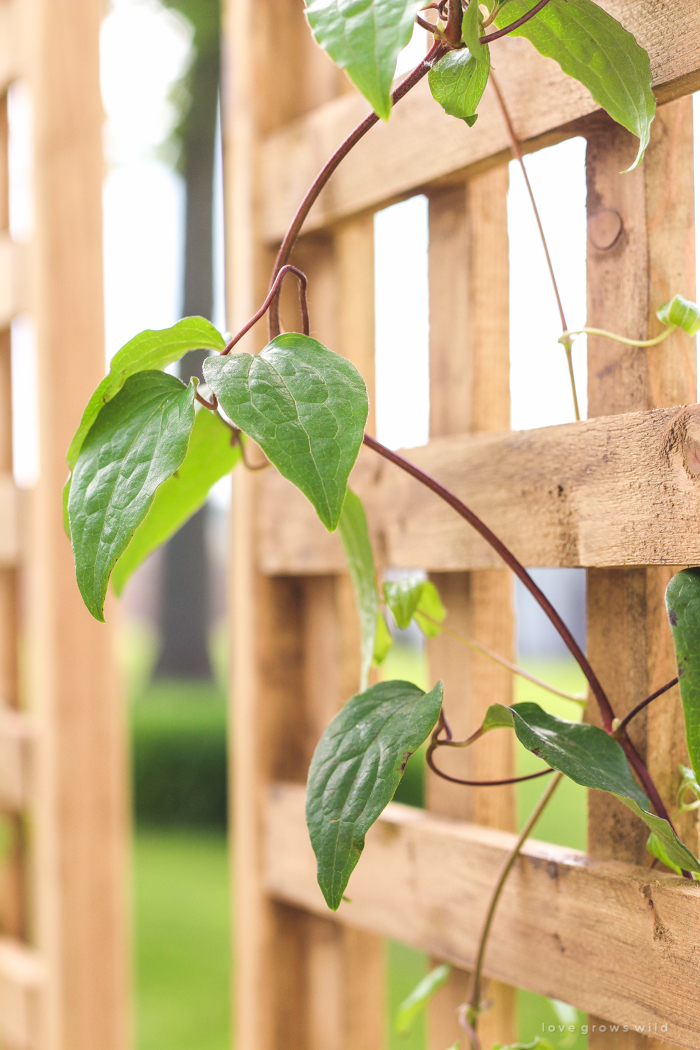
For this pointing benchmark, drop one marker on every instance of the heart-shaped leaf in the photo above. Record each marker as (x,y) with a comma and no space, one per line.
(591,46)
(354,535)
(356,769)
(683,608)
(682,313)
(148,350)
(458,81)
(418,600)
(591,757)
(210,455)
(430,612)
(137,441)
(305,406)
(364,38)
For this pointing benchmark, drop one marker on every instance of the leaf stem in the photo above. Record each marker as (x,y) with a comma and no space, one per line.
(276,285)
(475,998)
(518,154)
(642,704)
(514,25)
(327,170)
(566,338)
(513,668)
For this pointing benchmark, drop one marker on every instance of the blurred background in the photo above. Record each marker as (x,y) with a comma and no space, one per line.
(164,258)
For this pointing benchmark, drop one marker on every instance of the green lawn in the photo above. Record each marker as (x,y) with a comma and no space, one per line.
(181,910)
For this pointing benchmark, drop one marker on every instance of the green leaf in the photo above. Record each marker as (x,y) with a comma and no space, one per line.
(689,782)
(472,33)
(358,551)
(458,81)
(148,350)
(591,46)
(592,758)
(681,313)
(383,641)
(415,1003)
(538,1043)
(137,441)
(210,455)
(305,406)
(356,769)
(364,38)
(683,608)
(402,597)
(656,848)
(430,609)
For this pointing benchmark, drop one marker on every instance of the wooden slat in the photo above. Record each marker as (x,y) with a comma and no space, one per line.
(22,978)
(610,938)
(618,490)
(9,531)
(16,736)
(14,26)
(420,144)
(13,279)
(470,391)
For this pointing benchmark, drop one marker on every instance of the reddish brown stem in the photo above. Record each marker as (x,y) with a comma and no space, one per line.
(327,170)
(643,703)
(479,783)
(514,25)
(274,290)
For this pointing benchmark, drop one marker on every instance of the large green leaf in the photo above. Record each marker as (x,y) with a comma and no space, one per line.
(458,81)
(683,607)
(210,455)
(305,406)
(591,46)
(364,38)
(148,350)
(414,1004)
(137,441)
(356,769)
(354,535)
(591,757)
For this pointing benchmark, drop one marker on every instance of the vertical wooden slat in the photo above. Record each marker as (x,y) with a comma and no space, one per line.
(80,818)
(470,391)
(640,252)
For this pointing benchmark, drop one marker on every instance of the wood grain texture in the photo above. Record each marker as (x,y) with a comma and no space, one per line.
(421,144)
(618,490)
(610,938)
(470,391)
(653,257)
(80,817)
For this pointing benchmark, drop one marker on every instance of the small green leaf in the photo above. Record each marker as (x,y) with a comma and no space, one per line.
(210,455)
(402,597)
(683,608)
(364,38)
(305,406)
(429,610)
(148,350)
(416,1002)
(592,758)
(592,47)
(383,641)
(656,848)
(472,33)
(458,81)
(681,313)
(354,535)
(356,769)
(137,441)
(689,782)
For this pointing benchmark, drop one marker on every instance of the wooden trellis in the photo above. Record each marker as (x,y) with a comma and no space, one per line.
(617,494)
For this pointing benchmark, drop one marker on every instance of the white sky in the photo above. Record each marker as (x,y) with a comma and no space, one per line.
(145,48)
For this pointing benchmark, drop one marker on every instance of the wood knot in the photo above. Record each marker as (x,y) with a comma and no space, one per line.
(682,440)
(605,229)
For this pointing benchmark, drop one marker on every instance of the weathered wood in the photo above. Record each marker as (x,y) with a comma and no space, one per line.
(619,490)
(652,258)
(610,938)
(80,816)
(421,144)
(470,391)
(22,980)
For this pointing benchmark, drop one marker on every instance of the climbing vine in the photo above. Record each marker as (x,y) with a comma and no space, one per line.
(149,448)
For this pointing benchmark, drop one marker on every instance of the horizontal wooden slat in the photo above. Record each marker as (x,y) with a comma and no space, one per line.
(421,144)
(612,939)
(616,490)
(16,736)
(21,983)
